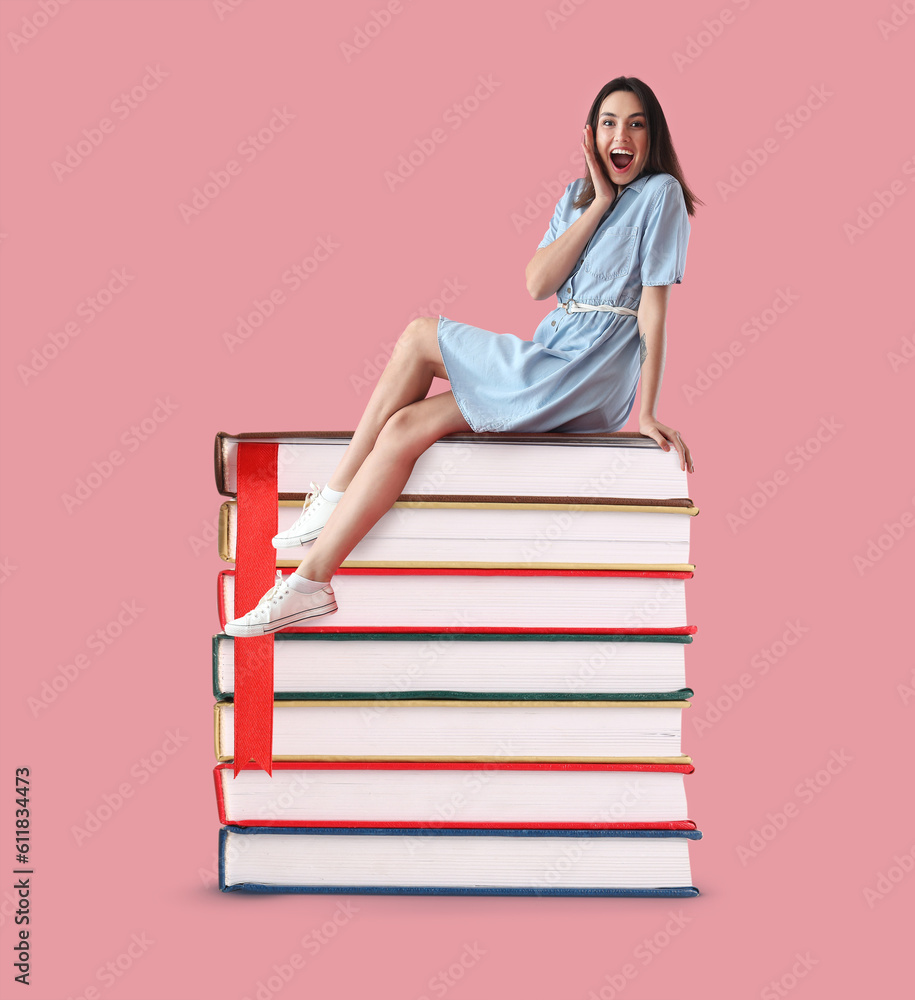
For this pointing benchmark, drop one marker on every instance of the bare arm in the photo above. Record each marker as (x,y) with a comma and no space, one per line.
(652,322)
(552,264)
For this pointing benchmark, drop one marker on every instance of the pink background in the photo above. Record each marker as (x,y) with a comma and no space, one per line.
(832,885)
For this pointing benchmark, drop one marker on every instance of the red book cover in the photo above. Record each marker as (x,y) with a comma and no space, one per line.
(685,824)
(458,629)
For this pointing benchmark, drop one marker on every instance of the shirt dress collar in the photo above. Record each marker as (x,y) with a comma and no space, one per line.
(637,184)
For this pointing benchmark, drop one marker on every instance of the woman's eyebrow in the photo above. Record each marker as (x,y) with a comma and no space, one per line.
(611,114)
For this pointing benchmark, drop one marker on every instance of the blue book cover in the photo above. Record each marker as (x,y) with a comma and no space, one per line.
(451,890)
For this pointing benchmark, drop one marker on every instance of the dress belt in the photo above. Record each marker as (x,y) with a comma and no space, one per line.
(571,306)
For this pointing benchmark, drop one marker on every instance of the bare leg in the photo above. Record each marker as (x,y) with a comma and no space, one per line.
(416,358)
(380,479)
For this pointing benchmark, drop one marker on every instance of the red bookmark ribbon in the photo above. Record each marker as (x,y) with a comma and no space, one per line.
(255,574)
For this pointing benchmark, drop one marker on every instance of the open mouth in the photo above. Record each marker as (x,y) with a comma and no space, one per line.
(621,161)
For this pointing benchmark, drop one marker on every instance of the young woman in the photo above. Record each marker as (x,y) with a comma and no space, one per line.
(616,243)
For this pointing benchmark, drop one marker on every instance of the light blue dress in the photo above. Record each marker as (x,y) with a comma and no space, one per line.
(580,371)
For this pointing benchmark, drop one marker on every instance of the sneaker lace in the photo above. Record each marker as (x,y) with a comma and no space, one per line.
(274,591)
(309,500)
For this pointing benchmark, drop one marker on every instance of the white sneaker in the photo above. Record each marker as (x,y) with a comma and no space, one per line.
(281,607)
(315,512)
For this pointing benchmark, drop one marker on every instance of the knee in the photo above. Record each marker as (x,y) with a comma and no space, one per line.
(403,431)
(417,334)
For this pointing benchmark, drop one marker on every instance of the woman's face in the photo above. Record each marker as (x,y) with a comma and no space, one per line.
(621,125)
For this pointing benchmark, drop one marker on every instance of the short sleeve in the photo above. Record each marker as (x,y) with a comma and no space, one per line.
(561,215)
(665,238)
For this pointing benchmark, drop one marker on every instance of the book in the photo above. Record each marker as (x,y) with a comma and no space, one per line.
(419,599)
(496,708)
(553,795)
(310,665)
(469,861)
(494,533)
(594,731)
(616,466)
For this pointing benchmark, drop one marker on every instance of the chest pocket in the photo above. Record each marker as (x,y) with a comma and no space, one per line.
(610,253)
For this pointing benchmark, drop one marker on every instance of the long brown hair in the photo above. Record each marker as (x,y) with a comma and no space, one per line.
(662,157)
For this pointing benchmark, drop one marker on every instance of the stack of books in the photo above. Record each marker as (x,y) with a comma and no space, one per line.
(496,706)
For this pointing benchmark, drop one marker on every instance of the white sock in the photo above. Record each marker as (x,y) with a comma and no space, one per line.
(303,586)
(332,495)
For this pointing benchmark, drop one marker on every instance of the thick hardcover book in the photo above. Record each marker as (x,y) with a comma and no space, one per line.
(474,600)
(452,862)
(531,665)
(615,467)
(546,795)
(496,534)
(594,731)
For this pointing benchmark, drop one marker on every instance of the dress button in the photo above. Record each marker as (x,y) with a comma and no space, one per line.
(568,289)
(553,323)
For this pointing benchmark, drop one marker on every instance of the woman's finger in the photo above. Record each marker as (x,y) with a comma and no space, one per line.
(661,440)
(681,448)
